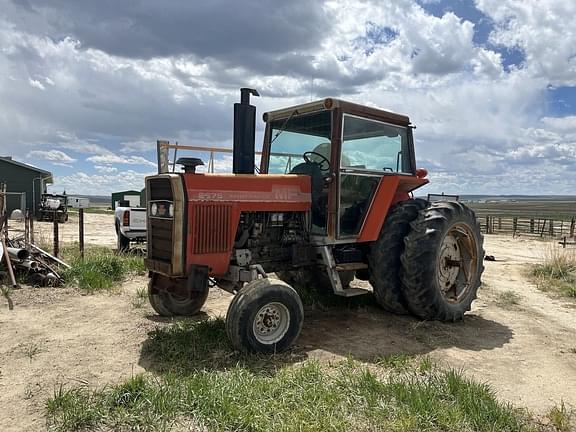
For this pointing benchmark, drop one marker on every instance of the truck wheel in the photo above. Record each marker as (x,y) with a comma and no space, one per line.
(122,242)
(166,303)
(264,317)
(443,262)
(307,278)
(384,265)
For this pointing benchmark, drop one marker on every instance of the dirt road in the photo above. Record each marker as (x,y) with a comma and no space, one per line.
(527,351)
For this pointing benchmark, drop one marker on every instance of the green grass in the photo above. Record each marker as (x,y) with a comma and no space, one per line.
(557,273)
(6,292)
(140,298)
(561,418)
(101,269)
(202,382)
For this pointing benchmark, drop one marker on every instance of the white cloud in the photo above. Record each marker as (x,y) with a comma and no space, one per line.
(110,159)
(100,184)
(105,169)
(37,84)
(543,29)
(138,146)
(51,155)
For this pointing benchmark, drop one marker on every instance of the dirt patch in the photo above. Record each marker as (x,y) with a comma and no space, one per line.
(98,230)
(527,353)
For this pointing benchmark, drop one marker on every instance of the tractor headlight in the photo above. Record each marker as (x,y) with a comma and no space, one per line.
(171,210)
(154,209)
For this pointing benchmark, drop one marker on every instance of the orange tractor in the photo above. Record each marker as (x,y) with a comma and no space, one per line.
(331,201)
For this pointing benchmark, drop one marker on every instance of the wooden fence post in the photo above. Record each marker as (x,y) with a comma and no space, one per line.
(81,231)
(499,224)
(514,226)
(487,224)
(531,226)
(27,228)
(56,236)
(551,228)
(32,228)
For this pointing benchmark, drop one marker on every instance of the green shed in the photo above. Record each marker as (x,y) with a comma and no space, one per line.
(25,184)
(132,196)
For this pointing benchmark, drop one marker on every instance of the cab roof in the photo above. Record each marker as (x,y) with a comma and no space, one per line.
(344,106)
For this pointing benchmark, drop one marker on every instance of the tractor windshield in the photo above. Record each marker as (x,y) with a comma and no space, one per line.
(374,146)
(297,135)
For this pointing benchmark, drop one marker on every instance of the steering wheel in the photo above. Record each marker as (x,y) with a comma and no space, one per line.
(323,160)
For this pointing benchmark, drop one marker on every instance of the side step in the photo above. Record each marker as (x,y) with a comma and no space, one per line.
(352,292)
(332,271)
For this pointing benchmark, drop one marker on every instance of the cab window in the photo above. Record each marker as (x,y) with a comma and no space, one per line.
(374,146)
(296,135)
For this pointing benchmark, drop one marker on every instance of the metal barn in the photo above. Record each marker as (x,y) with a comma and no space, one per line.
(25,184)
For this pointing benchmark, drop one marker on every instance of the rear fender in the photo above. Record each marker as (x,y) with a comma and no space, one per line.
(391,190)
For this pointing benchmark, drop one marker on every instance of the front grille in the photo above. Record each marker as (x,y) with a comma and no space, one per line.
(160,243)
(212,228)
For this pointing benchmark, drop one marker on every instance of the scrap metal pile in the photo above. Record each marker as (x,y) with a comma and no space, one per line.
(20,256)
(38,266)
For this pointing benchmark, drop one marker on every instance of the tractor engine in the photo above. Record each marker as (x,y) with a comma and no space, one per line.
(267,238)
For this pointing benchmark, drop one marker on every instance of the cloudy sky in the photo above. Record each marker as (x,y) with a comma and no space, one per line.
(86,88)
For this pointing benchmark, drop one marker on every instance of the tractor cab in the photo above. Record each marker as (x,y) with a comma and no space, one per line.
(347,150)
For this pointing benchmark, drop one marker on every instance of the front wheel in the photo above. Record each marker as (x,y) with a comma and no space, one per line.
(166,300)
(442,262)
(264,317)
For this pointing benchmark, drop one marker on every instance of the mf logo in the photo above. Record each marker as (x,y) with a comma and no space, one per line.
(285,193)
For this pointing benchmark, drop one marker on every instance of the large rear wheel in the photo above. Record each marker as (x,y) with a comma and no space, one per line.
(443,262)
(384,264)
(168,299)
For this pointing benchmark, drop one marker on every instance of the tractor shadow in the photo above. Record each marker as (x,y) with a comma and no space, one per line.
(370,333)
(356,329)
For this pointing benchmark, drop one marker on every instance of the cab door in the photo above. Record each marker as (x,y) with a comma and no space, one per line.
(370,150)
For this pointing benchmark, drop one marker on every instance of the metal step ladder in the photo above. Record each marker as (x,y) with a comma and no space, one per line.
(331,270)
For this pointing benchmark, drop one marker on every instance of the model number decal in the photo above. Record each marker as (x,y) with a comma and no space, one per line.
(277,194)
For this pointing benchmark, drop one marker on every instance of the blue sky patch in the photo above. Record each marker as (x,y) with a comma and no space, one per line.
(375,35)
(561,101)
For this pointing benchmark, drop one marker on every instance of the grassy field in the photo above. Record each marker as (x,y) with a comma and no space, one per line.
(554,209)
(200,383)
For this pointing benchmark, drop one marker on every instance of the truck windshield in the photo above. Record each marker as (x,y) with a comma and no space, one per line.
(300,134)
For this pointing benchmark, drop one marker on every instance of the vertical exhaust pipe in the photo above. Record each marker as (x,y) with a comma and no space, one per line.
(244,133)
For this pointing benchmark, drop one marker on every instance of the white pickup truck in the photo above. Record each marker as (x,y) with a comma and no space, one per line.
(130,226)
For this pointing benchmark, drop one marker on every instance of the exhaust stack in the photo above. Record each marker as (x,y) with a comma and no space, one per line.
(244,133)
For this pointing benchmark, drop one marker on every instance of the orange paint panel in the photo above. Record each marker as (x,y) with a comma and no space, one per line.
(215,202)
(392,189)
